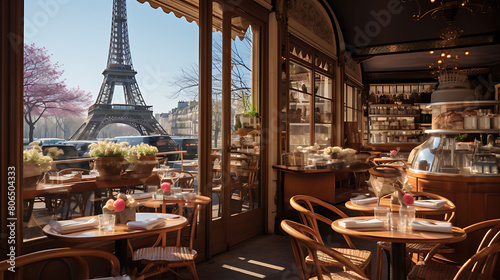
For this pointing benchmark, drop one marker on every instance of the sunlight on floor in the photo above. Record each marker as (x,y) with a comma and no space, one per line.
(244,271)
(253,262)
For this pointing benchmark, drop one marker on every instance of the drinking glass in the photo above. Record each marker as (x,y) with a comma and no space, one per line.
(381,213)
(397,222)
(409,213)
(107,222)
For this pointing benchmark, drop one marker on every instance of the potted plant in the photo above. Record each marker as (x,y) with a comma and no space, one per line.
(124,208)
(109,158)
(34,164)
(143,160)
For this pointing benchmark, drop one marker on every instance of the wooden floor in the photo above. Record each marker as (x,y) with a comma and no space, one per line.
(270,257)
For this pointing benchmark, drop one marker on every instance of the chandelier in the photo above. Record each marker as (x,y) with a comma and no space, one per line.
(444,61)
(450,8)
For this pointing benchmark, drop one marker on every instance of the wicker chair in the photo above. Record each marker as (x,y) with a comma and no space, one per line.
(415,248)
(185,178)
(429,269)
(305,242)
(42,263)
(168,257)
(79,193)
(305,206)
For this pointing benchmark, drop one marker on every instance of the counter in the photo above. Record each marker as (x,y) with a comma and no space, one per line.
(477,198)
(318,183)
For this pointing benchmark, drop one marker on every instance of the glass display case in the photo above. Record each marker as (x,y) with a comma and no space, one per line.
(310,103)
(465,140)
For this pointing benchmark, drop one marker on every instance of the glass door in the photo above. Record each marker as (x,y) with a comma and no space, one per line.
(236,132)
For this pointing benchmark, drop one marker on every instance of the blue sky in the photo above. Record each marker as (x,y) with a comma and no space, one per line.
(77,33)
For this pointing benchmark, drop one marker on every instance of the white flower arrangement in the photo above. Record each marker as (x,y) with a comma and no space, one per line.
(138,151)
(108,149)
(35,156)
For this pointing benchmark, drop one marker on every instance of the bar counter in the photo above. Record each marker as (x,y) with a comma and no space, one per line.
(477,198)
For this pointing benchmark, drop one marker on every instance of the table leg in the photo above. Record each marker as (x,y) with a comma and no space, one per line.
(121,254)
(398,261)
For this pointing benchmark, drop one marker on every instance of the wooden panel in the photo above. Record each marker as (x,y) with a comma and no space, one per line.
(245,226)
(320,185)
(492,206)
(218,240)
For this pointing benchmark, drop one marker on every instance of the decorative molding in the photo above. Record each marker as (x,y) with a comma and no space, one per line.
(466,41)
(352,68)
(416,75)
(265,3)
(310,15)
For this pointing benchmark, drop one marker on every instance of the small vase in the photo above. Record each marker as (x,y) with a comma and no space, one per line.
(127,215)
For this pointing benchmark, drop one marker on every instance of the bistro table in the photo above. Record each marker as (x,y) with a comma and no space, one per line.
(386,202)
(120,234)
(398,241)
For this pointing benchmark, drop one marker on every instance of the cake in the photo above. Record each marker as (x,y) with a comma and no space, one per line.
(453,86)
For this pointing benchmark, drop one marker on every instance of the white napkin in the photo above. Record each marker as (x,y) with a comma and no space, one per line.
(363,200)
(373,223)
(146,224)
(430,203)
(68,226)
(431,226)
(138,196)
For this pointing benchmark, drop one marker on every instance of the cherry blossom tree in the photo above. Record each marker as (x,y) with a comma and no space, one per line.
(45,92)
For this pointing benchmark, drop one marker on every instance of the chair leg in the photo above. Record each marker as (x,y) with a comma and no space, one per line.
(192,269)
(379,263)
(368,270)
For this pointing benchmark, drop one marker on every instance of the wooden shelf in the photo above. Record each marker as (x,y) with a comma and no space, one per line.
(392,130)
(388,115)
(461,131)
(389,105)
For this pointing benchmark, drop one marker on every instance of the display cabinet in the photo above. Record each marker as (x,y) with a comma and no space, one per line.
(464,140)
(310,104)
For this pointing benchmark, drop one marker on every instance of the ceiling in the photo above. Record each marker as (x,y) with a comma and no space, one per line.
(384,37)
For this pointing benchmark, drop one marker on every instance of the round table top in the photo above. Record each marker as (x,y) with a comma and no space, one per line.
(414,236)
(386,201)
(121,231)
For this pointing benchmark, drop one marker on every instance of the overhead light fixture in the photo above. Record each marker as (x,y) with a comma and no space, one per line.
(450,8)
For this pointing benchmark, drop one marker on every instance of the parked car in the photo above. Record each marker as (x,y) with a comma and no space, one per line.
(82,146)
(190,145)
(163,142)
(46,141)
(63,152)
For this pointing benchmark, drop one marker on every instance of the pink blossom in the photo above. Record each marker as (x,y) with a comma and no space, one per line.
(408,199)
(119,205)
(165,186)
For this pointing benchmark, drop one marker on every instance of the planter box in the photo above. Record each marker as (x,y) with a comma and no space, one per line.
(127,215)
(143,167)
(109,168)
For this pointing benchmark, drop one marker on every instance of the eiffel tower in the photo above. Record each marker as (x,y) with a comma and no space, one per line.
(119,71)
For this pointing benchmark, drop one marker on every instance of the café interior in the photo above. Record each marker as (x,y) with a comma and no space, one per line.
(371,148)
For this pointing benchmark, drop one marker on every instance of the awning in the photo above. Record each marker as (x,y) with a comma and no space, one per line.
(189,9)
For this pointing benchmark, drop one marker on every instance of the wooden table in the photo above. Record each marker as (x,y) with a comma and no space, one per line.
(398,241)
(120,234)
(386,202)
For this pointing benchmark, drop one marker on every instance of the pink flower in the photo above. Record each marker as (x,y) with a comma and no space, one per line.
(165,186)
(119,205)
(408,199)
(394,152)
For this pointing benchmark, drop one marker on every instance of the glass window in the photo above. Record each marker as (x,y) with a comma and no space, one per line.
(156,94)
